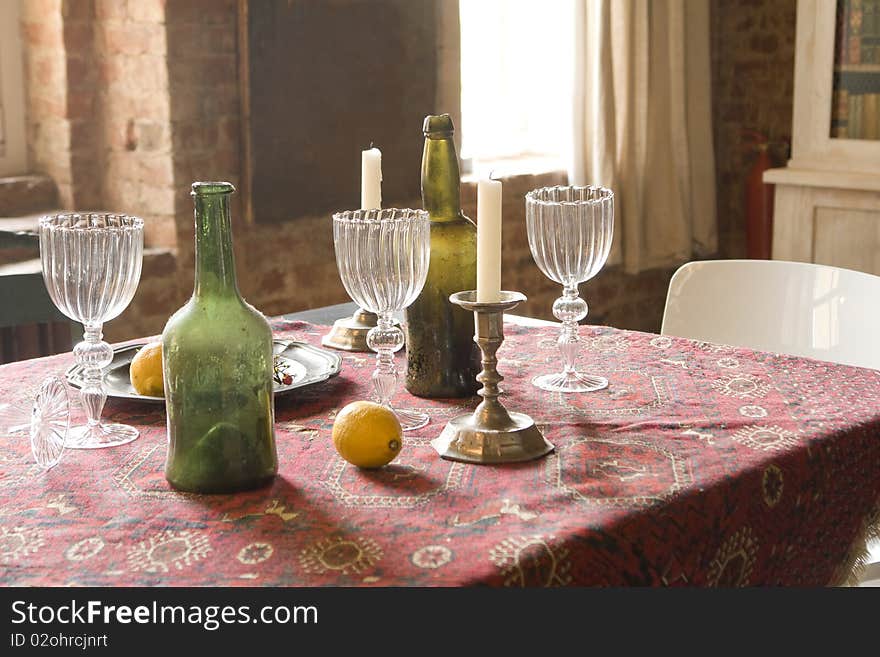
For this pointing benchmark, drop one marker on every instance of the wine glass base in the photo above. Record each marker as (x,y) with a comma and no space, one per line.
(100,435)
(50,422)
(411,420)
(570,382)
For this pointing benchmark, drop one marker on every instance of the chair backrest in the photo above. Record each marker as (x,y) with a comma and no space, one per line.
(24,300)
(30,324)
(797,308)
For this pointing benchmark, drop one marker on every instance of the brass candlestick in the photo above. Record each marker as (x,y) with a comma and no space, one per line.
(491,434)
(350,333)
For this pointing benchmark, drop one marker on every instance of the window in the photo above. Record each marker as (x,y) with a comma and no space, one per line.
(12,131)
(517,71)
(2,121)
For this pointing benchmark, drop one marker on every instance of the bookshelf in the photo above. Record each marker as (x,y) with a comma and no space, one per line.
(827,197)
(855,98)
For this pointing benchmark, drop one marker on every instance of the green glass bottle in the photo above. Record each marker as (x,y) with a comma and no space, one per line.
(442,359)
(218,366)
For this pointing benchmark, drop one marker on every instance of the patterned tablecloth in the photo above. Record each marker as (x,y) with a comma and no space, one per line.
(699,465)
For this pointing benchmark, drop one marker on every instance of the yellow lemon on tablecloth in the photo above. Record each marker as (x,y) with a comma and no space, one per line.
(367,434)
(145,370)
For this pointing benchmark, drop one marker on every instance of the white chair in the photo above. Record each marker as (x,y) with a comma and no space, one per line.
(827,313)
(796,308)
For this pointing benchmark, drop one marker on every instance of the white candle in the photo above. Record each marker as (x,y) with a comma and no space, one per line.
(488,240)
(371,179)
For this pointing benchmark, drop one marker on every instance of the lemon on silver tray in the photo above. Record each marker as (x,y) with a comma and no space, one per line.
(297,364)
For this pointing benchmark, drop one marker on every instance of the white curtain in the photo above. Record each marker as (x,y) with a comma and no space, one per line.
(643,125)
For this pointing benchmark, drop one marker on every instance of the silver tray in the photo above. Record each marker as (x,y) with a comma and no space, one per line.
(305,363)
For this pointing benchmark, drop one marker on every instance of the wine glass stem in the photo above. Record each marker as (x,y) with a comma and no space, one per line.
(94,355)
(385,375)
(568,345)
(569,309)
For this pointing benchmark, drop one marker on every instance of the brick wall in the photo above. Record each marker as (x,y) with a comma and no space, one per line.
(83,104)
(752,88)
(42,28)
(134,118)
(205,105)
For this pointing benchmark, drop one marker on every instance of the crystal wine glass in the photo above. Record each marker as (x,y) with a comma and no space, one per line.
(46,417)
(92,266)
(382,257)
(570,231)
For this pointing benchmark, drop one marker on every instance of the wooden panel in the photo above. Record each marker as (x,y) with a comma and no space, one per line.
(326,78)
(856,180)
(848,238)
(793,224)
(827,225)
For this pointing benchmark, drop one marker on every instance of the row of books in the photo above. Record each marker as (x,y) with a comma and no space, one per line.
(858,32)
(856,116)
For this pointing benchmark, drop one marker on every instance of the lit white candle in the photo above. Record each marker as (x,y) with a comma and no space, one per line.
(488,240)
(371,179)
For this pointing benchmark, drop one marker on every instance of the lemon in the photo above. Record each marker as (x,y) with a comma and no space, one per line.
(367,434)
(146,370)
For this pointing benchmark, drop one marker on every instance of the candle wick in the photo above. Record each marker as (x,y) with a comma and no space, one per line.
(371,146)
(492,174)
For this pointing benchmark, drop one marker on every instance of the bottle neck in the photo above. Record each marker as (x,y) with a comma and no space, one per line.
(441,180)
(215,260)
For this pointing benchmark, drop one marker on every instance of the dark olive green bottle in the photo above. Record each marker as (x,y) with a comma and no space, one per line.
(218,365)
(442,359)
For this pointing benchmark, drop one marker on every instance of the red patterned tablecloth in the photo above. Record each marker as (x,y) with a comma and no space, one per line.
(699,465)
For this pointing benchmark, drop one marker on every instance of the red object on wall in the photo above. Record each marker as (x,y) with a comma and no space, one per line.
(759,202)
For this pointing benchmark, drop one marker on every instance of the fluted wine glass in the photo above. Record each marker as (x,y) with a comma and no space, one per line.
(382,257)
(92,266)
(570,230)
(44,415)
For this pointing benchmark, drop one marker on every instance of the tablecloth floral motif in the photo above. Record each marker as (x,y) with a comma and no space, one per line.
(700,465)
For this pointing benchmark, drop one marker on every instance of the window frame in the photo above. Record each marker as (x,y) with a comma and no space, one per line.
(13,155)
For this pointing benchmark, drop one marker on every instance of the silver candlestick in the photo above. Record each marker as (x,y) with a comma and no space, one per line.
(491,434)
